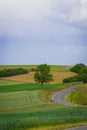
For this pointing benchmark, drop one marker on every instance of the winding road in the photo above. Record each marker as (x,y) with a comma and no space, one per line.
(60,97)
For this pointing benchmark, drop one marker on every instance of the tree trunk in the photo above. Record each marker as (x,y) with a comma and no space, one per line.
(41,84)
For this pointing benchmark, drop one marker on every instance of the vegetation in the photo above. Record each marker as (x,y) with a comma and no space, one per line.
(79,96)
(28,106)
(29,78)
(78,68)
(81,70)
(30,86)
(6,82)
(20,99)
(43,118)
(42,74)
(54,68)
(12,72)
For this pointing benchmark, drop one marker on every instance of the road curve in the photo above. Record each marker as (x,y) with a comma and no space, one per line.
(60,97)
(78,128)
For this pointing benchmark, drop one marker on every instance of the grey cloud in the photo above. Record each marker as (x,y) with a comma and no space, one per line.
(71,12)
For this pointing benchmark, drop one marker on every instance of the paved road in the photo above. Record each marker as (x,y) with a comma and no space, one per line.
(60,97)
(78,128)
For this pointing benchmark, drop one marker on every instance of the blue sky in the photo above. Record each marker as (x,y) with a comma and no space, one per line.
(43,31)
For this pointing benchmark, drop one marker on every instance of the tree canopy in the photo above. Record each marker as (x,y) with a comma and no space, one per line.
(42,74)
(78,68)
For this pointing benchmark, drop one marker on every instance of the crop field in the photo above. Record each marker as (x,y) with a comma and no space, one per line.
(7,82)
(56,68)
(63,116)
(30,86)
(20,99)
(29,78)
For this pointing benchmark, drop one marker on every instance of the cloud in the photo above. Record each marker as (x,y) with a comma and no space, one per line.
(21,16)
(35,17)
(71,12)
(56,27)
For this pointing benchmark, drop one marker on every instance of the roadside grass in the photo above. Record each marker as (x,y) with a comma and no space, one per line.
(29,78)
(61,127)
(79,96)
(39,119)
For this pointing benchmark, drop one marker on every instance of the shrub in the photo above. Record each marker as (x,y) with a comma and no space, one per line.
(81,70)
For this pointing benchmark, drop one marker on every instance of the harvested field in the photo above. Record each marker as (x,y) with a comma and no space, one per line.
(29,78)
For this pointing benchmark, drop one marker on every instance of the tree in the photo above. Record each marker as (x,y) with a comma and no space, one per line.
(42,74)
(81,70)
(78,68)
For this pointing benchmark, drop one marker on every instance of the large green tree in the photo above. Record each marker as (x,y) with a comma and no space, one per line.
(42,74)
(79,68)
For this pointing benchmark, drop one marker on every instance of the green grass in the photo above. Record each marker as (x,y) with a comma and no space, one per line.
(59,68)
(79,96)
(42,118)
(20,99)
(32,86)
(6,82)
(24,96)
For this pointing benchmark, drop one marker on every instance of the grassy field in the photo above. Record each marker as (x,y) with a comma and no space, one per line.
(20,99)
(22,95)
(31,86)
(43,118)
(79,96)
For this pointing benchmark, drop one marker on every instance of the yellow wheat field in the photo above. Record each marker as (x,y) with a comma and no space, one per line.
(29,78)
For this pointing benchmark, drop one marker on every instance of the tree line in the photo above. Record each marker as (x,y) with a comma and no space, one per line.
(12,72)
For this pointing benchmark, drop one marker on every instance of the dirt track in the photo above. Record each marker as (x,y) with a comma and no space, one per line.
(60,97)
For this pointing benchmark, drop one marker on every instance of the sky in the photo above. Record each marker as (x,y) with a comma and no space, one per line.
(43,31)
